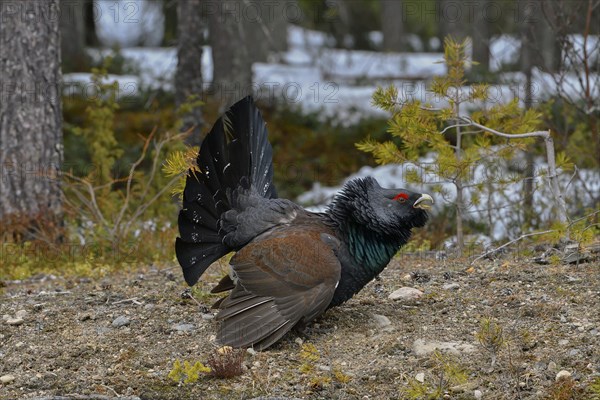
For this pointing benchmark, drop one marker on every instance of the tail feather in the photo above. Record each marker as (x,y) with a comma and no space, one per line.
(236,153)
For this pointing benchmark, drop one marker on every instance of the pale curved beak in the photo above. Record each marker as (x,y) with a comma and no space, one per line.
(424,202)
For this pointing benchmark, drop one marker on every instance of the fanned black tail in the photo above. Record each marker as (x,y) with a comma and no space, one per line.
(235,153)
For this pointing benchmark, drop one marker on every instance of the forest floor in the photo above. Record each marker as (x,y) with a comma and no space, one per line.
(119,336)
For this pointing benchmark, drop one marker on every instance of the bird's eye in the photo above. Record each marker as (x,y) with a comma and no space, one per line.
(401,197)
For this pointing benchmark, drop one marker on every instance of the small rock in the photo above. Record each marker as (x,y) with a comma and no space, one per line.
(420,377)
(251,351)
(120,321)
(298,341)
(574,353)
(15,321)
(478,394)
(564,374)
(183,327)
(451,286)
(563,342)
(382,321)
(21,314)
(208,316)
(594,332)
(148,306)
(405,293)
(325,368)
(540,366)
(552,366)
(5,379)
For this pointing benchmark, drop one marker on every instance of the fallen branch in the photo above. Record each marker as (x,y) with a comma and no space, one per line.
(487,253)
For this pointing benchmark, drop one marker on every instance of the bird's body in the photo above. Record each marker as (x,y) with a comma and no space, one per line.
(290,265)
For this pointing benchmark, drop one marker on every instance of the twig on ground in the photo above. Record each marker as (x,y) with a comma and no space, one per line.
(487,253)
(132,300)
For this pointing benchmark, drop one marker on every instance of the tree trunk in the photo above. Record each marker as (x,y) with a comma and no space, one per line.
(72,33)
(340,22)
(481,39)
(546,34)
(30,115)
(265,25)
(91,39)
(527,29)
(232,63)
(391,25)
(279,25)
(188,77)
(170,10)
(460,201)
(256,20)
(454,19)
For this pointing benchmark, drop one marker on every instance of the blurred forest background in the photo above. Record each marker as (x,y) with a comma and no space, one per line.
(96,95)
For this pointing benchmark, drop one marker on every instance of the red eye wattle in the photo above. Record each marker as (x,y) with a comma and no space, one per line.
(402,196)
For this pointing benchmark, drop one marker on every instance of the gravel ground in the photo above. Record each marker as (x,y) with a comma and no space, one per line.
(78,338)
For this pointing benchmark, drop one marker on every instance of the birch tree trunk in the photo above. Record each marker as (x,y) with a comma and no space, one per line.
(30,114)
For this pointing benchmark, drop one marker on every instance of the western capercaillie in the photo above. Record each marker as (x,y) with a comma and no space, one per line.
(290,265)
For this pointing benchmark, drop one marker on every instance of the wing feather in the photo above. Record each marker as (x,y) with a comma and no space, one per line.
(284,276)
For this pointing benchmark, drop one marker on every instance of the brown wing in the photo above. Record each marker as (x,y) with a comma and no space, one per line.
(284,276)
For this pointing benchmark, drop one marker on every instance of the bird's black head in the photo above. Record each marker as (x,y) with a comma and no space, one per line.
(388,212)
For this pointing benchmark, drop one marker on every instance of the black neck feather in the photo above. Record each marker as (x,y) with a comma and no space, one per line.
(369,242)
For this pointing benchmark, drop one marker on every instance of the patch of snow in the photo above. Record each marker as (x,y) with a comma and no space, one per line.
(306,38)
(504,49)
(126,23)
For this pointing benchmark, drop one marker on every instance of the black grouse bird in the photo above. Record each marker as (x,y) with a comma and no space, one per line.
(290,264)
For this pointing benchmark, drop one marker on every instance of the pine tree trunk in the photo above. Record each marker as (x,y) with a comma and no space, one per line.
(91,39)
(279,25)
(72,32)
(188,77)
(453,19)
(481,38)
(30,114)
(391,25)
(232,63)
(527,29)
(460,201)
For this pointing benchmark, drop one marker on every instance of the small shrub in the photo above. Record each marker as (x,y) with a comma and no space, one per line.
(446,371)
(565,389)
(226,362)
(491,337)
